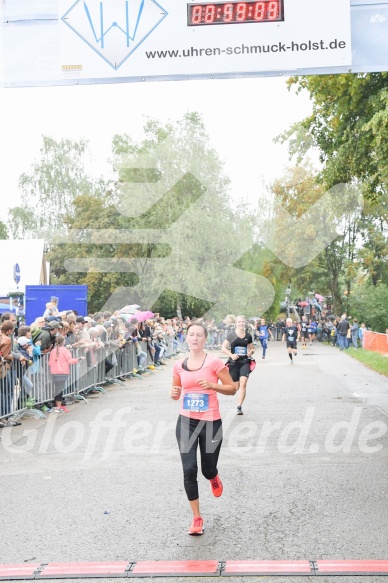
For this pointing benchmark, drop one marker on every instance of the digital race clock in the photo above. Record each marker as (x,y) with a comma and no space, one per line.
(235,12)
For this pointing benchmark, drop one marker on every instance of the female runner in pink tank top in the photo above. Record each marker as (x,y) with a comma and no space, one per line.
(198,379)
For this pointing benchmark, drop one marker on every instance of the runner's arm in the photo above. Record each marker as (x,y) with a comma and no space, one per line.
(226,350)
(176,389)
(226,388)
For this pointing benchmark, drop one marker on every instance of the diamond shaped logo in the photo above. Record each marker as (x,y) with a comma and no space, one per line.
(114,29)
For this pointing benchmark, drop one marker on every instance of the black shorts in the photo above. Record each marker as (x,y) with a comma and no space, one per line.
(291,345)
(305,334)
(239,369)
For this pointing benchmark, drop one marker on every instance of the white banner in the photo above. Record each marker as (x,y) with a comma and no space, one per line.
(102,39)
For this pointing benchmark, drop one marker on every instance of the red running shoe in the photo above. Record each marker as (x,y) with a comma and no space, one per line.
(196,527)
(217,487)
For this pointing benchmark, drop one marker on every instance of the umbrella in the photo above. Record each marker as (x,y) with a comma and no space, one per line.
(127,317)
(303,304)
(129,309)
(142,316)
(319,297)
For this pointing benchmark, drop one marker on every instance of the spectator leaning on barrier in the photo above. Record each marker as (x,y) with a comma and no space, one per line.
(105,331)
(146,335)
(6,383)
(18,360)
(82,330)
(47,336)
(26,349)
(36,350)
(95,346)
(160,345)
(136,337)
(70,337)
(59,364)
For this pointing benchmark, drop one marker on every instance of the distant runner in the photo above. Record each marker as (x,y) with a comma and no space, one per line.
(262,334)
(304,331)
(199,422)
(291,335)
(239,347)
(313,326)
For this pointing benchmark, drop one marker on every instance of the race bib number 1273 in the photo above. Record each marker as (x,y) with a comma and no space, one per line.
(196,402)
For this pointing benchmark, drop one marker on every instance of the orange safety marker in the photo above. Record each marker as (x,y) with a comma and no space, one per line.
(357,567)
(175,569)
(98,569)
(261,568)
(23,571)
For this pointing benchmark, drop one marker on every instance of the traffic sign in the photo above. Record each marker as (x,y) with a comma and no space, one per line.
(16,273)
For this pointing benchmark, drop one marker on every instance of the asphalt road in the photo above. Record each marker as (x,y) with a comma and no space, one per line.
(304,472)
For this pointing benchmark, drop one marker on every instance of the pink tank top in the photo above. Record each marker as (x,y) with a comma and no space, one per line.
(198,403)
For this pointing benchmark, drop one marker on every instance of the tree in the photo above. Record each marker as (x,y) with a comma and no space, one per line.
(349,125)
(22,223)
(369,304)
(49,189)
(3,230)
(373,256)
(174,182)
(297,191)
(78,259)
(170,219)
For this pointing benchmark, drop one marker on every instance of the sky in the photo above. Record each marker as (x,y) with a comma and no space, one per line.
(242,117)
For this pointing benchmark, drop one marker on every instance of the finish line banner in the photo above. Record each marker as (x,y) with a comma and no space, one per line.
(106,40)
(175,37)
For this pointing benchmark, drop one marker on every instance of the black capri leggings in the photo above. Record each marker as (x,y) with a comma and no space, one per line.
(208,435)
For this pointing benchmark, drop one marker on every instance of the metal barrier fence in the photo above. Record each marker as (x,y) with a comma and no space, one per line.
(22,390)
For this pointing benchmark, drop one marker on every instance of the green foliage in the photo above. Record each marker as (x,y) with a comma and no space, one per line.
(369,304)
(262,261)
(171,182)
(349,126)
(3,230)
(93,213)
(22,223)
(332,270)
(49,189)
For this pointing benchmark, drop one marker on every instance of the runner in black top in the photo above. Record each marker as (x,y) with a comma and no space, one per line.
(239,347)
(291,335)
(304,331)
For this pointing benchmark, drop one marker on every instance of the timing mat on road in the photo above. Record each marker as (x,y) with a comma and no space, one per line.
(129,569)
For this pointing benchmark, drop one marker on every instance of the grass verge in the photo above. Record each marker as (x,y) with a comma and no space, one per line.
(372,360)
